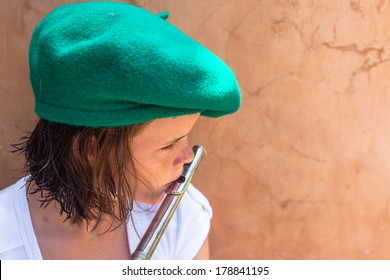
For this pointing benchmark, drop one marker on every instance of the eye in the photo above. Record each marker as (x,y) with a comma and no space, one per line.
(168,148)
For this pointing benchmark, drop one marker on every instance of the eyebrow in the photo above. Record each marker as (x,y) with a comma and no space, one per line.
(175,140)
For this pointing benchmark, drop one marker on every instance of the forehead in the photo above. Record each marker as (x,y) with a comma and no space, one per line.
(166,129)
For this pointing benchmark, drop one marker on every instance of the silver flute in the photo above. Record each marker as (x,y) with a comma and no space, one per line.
(154,232)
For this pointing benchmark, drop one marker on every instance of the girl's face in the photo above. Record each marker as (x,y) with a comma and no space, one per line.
(160,150)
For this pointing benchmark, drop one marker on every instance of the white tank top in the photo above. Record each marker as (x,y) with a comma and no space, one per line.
(182,239)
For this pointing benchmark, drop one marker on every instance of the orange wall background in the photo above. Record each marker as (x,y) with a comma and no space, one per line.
(302,171)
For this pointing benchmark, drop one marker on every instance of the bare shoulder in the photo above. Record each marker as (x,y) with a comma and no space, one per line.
(204,251)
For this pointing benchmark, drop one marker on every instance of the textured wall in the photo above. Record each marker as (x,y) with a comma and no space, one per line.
(303,170)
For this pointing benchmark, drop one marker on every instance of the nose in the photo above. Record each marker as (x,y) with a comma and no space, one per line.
(186,156)
(189,155)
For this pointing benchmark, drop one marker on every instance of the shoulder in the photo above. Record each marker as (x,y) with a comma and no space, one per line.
(7,203)
(11,243)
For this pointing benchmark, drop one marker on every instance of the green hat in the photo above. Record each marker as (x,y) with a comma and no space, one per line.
(106,64)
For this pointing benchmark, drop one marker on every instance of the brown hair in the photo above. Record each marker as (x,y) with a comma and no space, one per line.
(81,168)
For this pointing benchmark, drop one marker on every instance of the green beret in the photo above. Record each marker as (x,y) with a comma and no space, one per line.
(107,64)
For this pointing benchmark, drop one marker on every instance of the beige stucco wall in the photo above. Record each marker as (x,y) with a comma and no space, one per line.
(302,171)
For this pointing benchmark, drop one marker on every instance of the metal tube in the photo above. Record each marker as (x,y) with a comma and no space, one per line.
(154,232)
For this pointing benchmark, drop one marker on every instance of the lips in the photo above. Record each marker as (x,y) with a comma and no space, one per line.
(172,185)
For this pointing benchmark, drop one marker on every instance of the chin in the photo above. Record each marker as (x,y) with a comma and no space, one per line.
(154,197)
(151,198)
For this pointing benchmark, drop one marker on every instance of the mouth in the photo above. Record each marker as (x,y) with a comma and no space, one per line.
(173,184)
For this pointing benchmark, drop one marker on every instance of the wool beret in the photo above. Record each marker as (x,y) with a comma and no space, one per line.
(107,64)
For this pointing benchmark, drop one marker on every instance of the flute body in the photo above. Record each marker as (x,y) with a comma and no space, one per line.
(160,221)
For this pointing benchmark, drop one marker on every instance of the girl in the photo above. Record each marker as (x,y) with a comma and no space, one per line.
(117,90)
